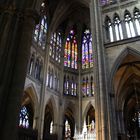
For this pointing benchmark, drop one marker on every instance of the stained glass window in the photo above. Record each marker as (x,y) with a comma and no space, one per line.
(137,20)
(129,25)
(70,52)
(88,87)
(87,51)
(24,118)
(70,86)
(41,29)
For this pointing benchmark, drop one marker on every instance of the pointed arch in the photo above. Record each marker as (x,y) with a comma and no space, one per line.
(69,120)
(52,104)
(118,61)
(129,24)
(109,29)
(32,93)
(90,104)
(50,117)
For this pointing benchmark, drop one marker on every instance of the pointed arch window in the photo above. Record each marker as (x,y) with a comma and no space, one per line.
(137,20)
(40,32)
(129,25)
(24,118)
(87,51)
(118,28)
(109,29)
(31,64)
(70,53)
(55,46)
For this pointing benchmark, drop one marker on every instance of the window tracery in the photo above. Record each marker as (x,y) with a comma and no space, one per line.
(70,52)
(87,51)
(55,46)
(40,32)
(129,25)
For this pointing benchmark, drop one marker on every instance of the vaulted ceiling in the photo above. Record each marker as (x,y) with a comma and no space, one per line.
(63,13)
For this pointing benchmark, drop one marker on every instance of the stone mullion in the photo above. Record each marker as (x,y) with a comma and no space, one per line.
(79,44)
(15,50)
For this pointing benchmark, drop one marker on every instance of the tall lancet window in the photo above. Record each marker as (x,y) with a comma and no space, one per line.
(55,46)
(129,25)
(118,28)
(109,29)
(70,52)
(24,118)
(137,20)
(87,51)
(41,29)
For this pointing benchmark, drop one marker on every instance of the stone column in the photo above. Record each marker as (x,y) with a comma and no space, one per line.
(15,40)
(43,88)
(103,127)
(79,94)
(61,106)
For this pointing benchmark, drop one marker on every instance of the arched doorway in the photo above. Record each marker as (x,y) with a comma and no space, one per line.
(89,124)
(126,83)
(68,125)
(26,114)
(49,123)
(26,118)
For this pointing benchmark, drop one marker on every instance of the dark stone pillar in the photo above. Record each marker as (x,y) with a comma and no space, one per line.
(16,27)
